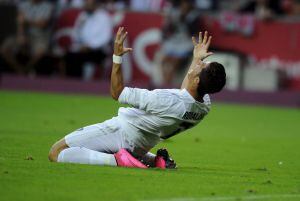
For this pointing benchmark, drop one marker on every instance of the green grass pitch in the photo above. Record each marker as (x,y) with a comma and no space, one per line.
(236,153)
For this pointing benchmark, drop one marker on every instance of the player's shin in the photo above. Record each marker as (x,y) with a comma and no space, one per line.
(86,156)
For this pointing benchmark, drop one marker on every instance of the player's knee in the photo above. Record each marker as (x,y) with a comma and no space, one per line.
(53,154)
(56,149)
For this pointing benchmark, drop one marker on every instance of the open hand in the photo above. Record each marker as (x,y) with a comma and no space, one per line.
(119,48)
(201,47)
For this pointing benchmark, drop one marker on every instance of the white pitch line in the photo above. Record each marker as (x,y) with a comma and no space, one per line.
(252,197)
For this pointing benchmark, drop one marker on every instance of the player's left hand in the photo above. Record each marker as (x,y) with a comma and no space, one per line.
(119,48)
(201,47)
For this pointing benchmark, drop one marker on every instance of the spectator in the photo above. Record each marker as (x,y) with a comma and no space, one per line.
(92,35)
(206,5)
(291,7)
(12,2)
(117,5)
(263,9)
(296,7)
(23,51)
(66,4)
(148,5)
(182,23)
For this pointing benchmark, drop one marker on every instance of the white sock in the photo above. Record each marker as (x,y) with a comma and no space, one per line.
(86,156)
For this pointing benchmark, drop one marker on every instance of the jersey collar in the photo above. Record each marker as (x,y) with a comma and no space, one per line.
(206,98)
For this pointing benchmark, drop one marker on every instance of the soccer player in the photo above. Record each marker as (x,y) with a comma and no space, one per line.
(125,140)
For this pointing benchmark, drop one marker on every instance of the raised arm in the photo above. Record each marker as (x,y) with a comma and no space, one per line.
(199,54)
(116,83)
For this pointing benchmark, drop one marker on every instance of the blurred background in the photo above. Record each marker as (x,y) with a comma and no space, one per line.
(66,45)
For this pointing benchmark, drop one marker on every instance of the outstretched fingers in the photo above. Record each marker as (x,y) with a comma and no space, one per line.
(205,37)
(208,41)
(209,54)
(125,50)
(123,37)
(119,33)
(200,37)
(194,41)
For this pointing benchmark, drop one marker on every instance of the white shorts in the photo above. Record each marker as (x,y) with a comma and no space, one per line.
(107,137)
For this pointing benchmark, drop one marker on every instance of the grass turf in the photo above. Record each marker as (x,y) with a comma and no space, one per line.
(236,152)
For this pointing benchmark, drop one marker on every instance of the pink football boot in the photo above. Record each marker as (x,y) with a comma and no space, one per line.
(125,159)
(163,160)
(160,162)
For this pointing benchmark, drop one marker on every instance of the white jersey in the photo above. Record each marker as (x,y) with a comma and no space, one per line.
(159,114)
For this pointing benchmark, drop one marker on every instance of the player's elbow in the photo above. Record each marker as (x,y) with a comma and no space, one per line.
(114,96)
(116,92)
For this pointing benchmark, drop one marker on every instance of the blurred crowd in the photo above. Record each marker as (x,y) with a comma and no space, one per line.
(30,48)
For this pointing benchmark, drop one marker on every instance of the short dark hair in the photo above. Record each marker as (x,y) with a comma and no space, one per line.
(212,79)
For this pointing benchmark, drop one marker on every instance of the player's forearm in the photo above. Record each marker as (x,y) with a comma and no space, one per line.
(116,84)
(200,52)
(193,65)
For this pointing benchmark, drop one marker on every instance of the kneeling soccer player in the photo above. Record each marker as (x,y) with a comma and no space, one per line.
(155,115)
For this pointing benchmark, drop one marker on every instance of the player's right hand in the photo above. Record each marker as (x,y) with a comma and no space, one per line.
(201,47)
(119,48)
